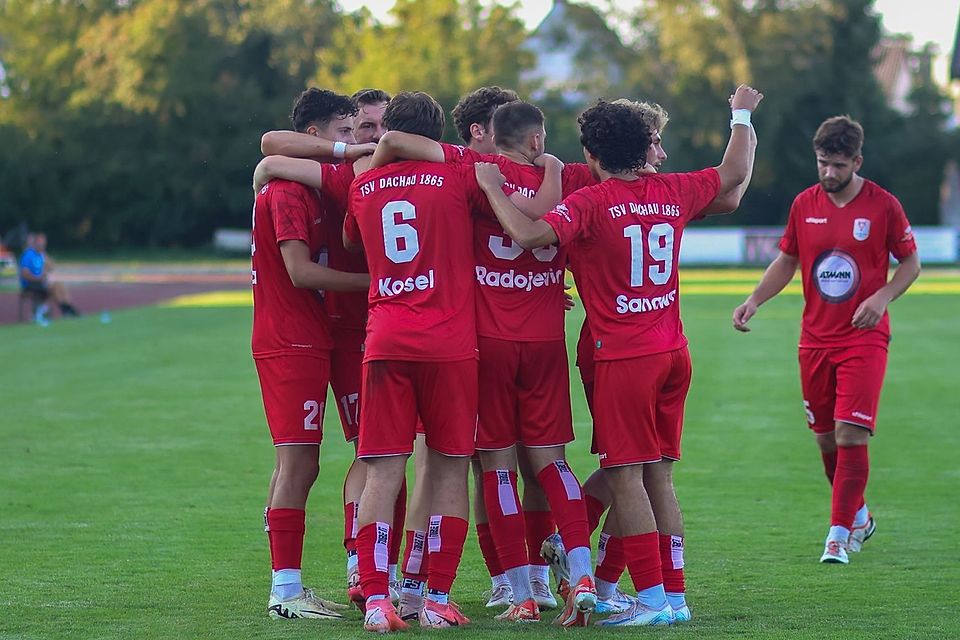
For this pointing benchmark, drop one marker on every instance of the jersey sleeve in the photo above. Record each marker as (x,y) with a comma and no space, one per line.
(336,180)
(900,240)
(698,189)
(290,213)
(576,175)
(458,154)
(476,198)
(351,229)
(570,219)
(788,241)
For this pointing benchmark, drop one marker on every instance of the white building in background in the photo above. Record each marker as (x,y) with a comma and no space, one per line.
(572,47)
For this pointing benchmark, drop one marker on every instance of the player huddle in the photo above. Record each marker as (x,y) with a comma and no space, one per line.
(424,283)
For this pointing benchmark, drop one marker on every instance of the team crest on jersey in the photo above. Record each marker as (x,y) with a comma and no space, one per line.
(861,229)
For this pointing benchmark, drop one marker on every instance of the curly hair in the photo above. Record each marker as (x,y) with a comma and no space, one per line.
(478,106)
(652,113)
(513,120)
(616,135)
(318,107)
(840,135)
(370,96)
(414,112)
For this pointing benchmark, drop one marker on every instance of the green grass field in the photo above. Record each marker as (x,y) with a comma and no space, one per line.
(134,460)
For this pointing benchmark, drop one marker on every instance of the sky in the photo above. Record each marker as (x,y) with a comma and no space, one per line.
(926,20)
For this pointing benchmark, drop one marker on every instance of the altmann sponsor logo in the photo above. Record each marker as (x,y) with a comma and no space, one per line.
(523,281)
(815,220)
(643,305)
(388,287)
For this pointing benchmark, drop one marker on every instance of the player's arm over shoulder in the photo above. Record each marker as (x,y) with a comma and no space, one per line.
(306,172)
(397,145)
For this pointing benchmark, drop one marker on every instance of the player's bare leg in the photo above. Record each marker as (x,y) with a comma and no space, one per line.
(641,547)
(384,477)
(539,524)
(849,484)
(295,472)
(447,531)
(415,556)
(658,481)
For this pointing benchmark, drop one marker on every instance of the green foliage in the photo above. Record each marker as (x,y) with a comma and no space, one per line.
(812,60)
(444,48)
(136,122)
(153,138)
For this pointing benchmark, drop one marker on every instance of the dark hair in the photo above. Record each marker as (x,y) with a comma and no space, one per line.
(478,106)
(318,107)
(414,112)
(513,120)
(839,135)
(616,135)
(370,96)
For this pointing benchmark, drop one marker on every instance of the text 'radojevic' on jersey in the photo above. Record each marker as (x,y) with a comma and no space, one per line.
(522,281)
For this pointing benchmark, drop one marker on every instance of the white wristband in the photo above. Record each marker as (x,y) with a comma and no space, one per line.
(740,116)
(340,148)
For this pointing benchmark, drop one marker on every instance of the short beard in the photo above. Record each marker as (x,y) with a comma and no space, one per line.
(840,187)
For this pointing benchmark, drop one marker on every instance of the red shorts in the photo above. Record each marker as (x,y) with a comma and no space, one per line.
(842,385)
(442,394)
(294,390)
(345,378)
(638,408)
(525,388)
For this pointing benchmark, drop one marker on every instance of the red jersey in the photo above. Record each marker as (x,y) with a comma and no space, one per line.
(414,219)
(347,310)
(844,259)
(287,320)
(623,238)
(519,293)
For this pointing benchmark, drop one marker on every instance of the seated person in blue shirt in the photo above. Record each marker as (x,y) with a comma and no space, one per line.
(35,268)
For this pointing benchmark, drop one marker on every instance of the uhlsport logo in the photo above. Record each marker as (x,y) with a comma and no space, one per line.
(836,275)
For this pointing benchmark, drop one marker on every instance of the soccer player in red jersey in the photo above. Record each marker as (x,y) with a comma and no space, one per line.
(841,233)
(623,238)
(520,328)
(291,347)
(414,222)
(610,560)
(348,311)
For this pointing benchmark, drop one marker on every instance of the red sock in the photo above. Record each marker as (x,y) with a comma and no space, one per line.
(829,464)
(595,509)
(643,559)
(399,515)
(506,519)
(853,468)
(415,557)
(350,526)
(566,501)
(671,563)
(538,525)
(610,559)
(373,543)
(445,540)
(286,537)
(488,549)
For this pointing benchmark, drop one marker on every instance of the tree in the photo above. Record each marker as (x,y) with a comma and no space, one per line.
(444,48)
